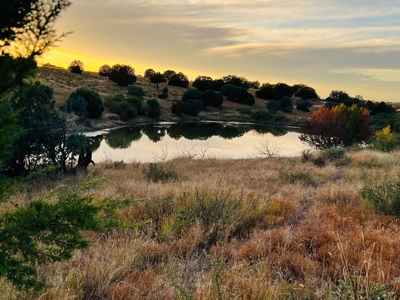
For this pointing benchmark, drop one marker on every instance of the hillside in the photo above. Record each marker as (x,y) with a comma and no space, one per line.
(274,228)
(65,82)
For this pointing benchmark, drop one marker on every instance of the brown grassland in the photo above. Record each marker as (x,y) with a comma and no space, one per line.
(272,228)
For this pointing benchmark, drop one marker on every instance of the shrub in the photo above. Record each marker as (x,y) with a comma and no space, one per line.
(117,104)
(95,106)
(123,75)
(76,67)
(303,104)
(193,107)
(177,108)
(136,91)
(105,70)
(179,79)
(286,104)
(212,98)
(385,140)
(306,92)
(164,93)
(383,194)
(134,102)
(274,106)
(77,105)
(203,83)
(169,73)
(153,110)
(334,153)
(237,94)
(192,94)
(156,173)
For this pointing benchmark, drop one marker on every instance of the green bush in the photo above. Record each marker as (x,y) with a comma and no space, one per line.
(164,93)
(136,91)
(178,79)
(212,98)
(193,107)
(334,153)
(134,102)
(192,94)
(286,104)
(237,94)
(78,106)
(177,108)
(274,106)
(153,110)
(95,106)
(117,104)
(158,172)
(383,194)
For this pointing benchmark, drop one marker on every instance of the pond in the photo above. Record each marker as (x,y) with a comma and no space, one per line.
(207,140)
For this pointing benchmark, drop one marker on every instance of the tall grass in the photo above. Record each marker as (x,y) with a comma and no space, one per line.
(272,228)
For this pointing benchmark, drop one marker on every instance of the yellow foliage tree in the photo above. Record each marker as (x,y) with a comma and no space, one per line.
(385,139)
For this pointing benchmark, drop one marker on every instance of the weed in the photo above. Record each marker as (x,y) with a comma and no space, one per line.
(157,173)
(296,177)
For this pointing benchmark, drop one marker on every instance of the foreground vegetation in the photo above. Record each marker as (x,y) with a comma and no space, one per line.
(274,228)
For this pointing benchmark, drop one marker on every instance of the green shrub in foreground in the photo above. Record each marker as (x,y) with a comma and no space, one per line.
(383,194)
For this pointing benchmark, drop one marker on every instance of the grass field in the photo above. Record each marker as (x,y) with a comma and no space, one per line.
(273,228)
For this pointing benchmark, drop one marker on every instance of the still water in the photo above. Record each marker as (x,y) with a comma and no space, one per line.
(208,140)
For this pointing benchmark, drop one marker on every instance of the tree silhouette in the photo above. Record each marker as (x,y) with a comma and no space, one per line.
(157,78)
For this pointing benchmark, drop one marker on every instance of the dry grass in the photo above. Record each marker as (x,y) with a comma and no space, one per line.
(273,228)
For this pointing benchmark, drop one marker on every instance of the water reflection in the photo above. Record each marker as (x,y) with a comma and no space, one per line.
(223,140)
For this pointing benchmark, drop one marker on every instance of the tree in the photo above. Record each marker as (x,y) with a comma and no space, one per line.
(95,105)
(28,24)
(212,98)
(273,106)
(76,67)
(337,126)
(192,94)
(237,94)
(136,91)
(193,107)
(169,73)
(237,81)
(267,91)
(46,138)
(41,231)
(203,83)
(153,110)
(105,70)
(157,78)
(385,140)
(179,79)
(282,90)
(123,75)
(148,73)
(337,96)
(286,104)
(306,92)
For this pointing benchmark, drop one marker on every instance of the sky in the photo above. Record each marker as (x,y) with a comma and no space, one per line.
(349,45)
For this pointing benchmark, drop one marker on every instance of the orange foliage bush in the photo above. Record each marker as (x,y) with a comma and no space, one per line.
(339,125)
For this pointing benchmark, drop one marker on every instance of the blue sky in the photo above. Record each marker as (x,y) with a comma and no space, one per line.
(346,45)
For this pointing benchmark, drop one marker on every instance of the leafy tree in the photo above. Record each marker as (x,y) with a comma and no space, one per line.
(76,67)
(267,92)
(154,109)
(76,105)
(237,94)
(337,126)
(306,92)
(193,107)
(179,79)
(203,83)
(148,73)
(136,91)
(286,104)
(273,106)
(212,98)
(41,231)
(95,106)
(123,75)
(47,139)
(169,73)
(192,94)
(237,81)
(177,108)
(254,84)
(164,93)
(105,70)
(157,78)
(218,84)
(337,96)
(385,139)
(282,90)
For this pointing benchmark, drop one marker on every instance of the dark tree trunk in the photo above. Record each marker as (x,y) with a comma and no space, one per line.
(84,160)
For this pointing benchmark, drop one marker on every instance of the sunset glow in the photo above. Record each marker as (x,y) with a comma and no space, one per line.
(329,45)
